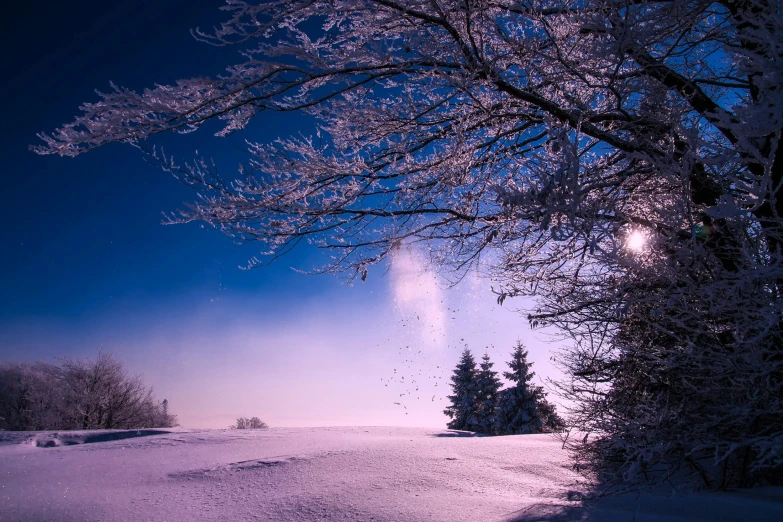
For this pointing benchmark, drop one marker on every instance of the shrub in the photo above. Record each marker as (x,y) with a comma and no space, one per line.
(253,423)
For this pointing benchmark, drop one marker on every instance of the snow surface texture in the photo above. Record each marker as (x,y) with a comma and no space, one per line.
(304,474)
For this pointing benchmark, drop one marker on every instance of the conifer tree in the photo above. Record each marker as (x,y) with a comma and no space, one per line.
(463,409)
(517,410)
(550,420)
(488,389)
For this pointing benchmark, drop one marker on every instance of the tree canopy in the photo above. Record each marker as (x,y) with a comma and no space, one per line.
(617,159)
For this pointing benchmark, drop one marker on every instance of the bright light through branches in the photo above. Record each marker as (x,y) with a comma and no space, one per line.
(636,241)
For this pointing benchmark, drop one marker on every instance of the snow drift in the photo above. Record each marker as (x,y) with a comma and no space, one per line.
(304,474)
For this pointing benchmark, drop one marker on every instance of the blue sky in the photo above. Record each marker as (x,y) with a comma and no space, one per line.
(87,264)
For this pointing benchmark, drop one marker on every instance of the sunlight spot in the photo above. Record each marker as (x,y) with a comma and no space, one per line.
(636,241)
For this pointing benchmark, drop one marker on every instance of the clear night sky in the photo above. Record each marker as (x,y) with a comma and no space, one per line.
(86,263)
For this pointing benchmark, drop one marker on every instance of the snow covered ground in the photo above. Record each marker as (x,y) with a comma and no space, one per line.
(304,474)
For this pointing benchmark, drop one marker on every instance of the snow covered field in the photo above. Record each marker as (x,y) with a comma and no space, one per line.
(304,474)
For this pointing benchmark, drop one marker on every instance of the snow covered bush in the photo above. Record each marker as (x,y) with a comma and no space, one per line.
(618,160)
(253,423)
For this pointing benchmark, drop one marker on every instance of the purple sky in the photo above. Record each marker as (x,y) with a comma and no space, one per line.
(87,263)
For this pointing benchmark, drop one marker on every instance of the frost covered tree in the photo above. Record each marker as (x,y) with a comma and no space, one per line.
(13,397)
(102,394)
(77,394)
(464,408)
(517,410)
(164,419)
(30,398)
(619,160)
(487,390)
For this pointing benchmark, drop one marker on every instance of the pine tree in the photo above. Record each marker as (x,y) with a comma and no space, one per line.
(463,409)
(517,410)
(550,420)
(488,388)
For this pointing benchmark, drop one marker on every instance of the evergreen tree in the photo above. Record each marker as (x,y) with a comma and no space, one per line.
(517,410)
(488,388)
(550,420)
(463,409)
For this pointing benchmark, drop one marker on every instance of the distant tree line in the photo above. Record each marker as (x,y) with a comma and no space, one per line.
(78,394)
(480,405)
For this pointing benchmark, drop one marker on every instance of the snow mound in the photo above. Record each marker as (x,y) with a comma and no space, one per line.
(220,472)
